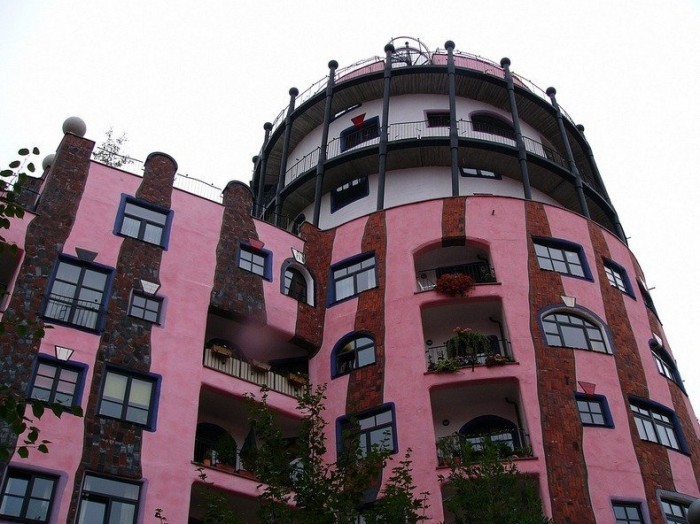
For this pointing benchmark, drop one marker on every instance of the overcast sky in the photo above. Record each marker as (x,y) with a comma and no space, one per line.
(198,80)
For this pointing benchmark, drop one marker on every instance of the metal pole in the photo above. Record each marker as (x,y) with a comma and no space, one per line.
(454,143)
(384,135)
(321,166)
(522,152)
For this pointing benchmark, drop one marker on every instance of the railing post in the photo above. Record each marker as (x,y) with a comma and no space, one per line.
(293,92)
(262,168)
(321,165)
(384,133)
(454,142)
(522,152)
(551,93)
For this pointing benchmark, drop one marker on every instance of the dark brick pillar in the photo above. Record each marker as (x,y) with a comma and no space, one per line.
(454,211)
(113,446)
(556,380)
(237,293)
(46,234)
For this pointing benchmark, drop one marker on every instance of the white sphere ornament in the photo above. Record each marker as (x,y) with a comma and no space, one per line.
(74,125)
(694,512)
(48,161)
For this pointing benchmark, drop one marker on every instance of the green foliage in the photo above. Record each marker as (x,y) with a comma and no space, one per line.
(487,490)
(110,151)
(226,449)
(12,181)
(467,342)
(302,486)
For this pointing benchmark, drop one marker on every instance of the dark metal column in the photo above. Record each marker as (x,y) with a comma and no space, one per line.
(259,204)
(321,166)
(522,152)
(599,180)
(384,135)
(551,93)
(452,90)
(293,92)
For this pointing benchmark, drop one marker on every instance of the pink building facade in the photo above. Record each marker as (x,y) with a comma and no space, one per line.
(166,308)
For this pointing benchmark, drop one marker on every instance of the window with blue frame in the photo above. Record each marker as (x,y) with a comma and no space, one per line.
(57,382)
(571,330)
(356,135)
(129,396)
(675,512)
(107,500)
(593,410)
(617,276)
(348,193)
(144,221)
(658,424)
(256,261)
(78,293)
(353,352)
(561,256)
(665,364)
(627,513)
(375,429)
(27,496)
(146,307)
(352,277)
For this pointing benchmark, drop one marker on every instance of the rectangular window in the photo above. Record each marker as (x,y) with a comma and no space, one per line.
(627,513)
(256,261)
(561,256)
(352,278)
(593,410)
(129,397)
(646,297)
(108,501)
(375,430)
(479,173)
(617,276)
(674,512)
(145,307)
(438,118)
(356,135)
(354,190)
(77,293)
(656,424)
(144,221)
(27,496)
(57,382)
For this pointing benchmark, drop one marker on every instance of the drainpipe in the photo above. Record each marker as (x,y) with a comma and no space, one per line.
(551,93)
(503,335)
(454,157)
(384,135)
(261,173)
(522,152)
(321,166)
(293,92)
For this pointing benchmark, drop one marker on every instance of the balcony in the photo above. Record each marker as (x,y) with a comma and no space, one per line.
(509,443)
(70,310)
(472,260)
(258,373)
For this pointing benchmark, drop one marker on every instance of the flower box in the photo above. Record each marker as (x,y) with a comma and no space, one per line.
(260,367)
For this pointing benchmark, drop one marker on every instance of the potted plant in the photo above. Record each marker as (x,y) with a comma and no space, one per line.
(226,452)
(454,284)
(496,359)
(446,365)
(221,351)
(467,343)
(260,367)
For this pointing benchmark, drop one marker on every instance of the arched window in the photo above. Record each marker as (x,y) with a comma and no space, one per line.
(208,438)
(573,331)
(295,284)
(351,353)
(484,123)
(499,431)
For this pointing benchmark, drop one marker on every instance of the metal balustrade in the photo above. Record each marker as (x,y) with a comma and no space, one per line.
(238,368)
(481,272)
(509,443)
(434,354)
(72,311)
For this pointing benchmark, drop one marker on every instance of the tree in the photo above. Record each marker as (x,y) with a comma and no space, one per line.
(487,490)
(302,486)
(110,151)
(13,421)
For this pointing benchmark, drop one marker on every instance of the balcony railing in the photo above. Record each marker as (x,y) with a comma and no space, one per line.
(238,368)
(418,130)
(509,443)
(481,272)
(72,311)
(435,354)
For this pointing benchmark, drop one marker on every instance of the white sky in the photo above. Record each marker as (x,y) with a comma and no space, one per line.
(198,80)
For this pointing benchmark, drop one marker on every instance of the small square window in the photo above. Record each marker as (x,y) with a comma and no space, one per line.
(353,277)
(348,193)
(144,221)
(372,430)
(438,118)
(561,256)
(145,307)
(255,261)
(27,496)
(617,276)
(593,410)
(129,397)
(106,501)
(57,382)
(627,513)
